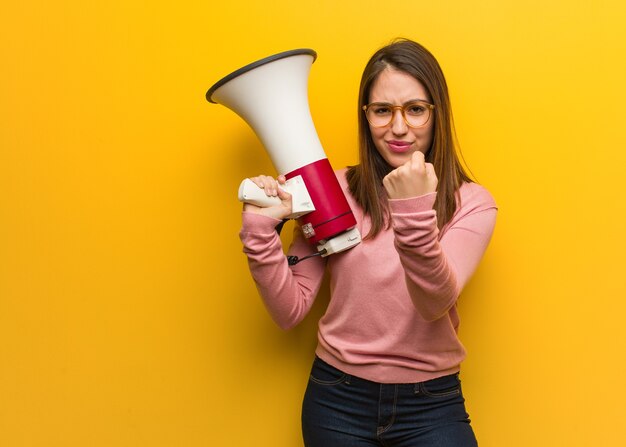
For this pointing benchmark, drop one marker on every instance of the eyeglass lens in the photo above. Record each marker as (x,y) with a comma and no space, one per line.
(416,114)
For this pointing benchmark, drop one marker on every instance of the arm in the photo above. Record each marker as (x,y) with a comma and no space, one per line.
(437,269)
(288,292)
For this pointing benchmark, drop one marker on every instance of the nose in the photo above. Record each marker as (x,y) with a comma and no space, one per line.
(398,125)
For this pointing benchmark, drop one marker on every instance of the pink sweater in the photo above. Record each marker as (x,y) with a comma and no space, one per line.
(392,315)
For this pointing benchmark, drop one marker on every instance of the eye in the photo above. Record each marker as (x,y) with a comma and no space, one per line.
(381,109)
(415,109)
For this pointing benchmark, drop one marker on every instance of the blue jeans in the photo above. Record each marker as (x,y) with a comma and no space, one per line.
(340,410)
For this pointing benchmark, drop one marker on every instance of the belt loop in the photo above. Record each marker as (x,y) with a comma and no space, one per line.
(416,388)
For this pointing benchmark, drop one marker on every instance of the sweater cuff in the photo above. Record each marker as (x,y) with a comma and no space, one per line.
(257,223)
(413,204)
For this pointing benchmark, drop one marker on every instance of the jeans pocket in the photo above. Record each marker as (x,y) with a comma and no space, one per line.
(446,386)
(324,374)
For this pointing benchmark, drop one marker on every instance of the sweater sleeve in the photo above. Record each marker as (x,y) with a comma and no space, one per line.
(437,268)
(288,292)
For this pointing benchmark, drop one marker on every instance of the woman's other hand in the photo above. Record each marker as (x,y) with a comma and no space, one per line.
(413,179)
(271,188)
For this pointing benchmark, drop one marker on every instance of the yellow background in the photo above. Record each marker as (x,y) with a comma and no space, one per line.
(127,316)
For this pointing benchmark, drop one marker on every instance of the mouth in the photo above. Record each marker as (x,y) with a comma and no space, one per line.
(399,146)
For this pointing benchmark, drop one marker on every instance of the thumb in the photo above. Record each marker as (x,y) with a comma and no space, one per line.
(285,202)
(284,195)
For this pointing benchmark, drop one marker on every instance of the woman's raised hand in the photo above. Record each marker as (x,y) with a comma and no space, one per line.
(413,179)
(271,188)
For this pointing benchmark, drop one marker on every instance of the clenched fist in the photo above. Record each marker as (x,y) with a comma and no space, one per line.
(412,179)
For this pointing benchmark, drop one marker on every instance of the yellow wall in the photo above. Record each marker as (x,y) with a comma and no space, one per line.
(127,316)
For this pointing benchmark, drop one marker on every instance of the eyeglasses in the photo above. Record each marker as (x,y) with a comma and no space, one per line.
(415,113)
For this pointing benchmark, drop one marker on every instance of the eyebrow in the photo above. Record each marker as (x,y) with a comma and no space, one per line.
(404,103)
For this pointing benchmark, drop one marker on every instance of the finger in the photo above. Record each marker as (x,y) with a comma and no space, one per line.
(281,179)
(430,169)
(266,183)
(417,161)
(418,157)
(271,190)
(257,181)
(270,186)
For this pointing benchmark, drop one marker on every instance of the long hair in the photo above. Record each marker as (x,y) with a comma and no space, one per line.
(365,179)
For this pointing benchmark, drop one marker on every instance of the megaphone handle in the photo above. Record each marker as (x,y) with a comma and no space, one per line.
(249,192)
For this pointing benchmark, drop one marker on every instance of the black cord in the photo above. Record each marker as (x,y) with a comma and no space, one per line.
(293,260)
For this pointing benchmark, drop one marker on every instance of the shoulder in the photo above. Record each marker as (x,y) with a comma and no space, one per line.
(475,205)
(341,175)
(474,197)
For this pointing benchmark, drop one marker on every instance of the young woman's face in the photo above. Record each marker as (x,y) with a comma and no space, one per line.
(397,141)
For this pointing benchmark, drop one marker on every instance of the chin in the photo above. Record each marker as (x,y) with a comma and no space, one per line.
(397,160)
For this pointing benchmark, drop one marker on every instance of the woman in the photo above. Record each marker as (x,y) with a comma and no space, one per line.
(388,355)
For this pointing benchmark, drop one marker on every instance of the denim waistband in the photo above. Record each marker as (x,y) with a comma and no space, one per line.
(349,378)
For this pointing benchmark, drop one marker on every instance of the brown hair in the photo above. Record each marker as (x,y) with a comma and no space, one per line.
(365,179)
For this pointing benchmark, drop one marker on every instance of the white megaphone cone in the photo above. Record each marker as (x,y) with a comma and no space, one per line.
(271,96)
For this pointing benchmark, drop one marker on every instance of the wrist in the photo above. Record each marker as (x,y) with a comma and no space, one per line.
(424,202)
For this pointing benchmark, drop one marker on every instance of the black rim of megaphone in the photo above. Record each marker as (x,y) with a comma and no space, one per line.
(256,64)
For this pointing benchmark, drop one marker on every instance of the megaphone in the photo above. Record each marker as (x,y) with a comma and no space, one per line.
(271,96)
